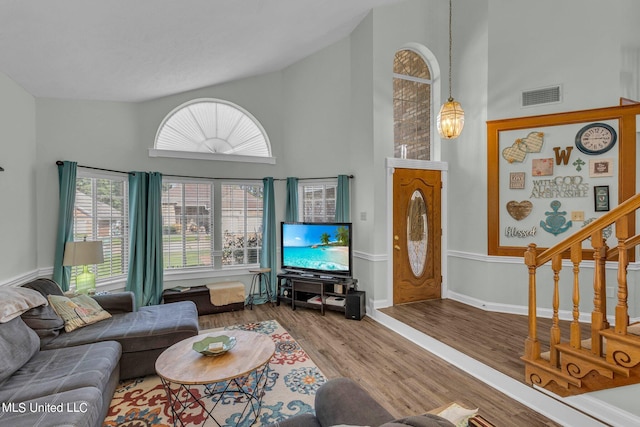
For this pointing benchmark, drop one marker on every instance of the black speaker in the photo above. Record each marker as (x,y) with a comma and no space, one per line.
(354,306)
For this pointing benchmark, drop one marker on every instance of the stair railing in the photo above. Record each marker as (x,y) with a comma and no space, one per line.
(623,218)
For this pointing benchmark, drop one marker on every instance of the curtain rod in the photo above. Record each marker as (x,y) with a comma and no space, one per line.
(59,162)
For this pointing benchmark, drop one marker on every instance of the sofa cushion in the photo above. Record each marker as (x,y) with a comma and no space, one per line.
(45,286)
(81,407)
(154,327)
(55,371)
(44,321)
(18,344)
(344,401)
(78,311)
(15,301)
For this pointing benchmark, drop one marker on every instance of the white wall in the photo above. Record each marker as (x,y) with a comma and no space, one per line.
(18,226)
(331,113)
(577,44)
(394,27)
(509,47)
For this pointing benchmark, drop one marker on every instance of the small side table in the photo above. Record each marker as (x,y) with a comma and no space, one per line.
(257,278)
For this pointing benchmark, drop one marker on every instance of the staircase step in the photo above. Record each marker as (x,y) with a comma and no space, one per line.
(578,362)
(624,350)
(540,372)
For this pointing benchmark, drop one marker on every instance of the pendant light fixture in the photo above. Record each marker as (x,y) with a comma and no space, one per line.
(451,117)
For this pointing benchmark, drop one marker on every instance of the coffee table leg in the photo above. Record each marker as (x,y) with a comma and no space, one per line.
(235,386)
(173,399)
(254,398)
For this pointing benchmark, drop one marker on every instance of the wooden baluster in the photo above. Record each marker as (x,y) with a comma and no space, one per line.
(603,285)
(622,313)
(575,338)
(556,265)
(532,345)
(597,317)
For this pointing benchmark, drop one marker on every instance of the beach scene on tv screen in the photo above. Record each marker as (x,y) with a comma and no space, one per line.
(317,247)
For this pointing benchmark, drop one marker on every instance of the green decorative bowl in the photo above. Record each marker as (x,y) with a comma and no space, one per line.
(204,346)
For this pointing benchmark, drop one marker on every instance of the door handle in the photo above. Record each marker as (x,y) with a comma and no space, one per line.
(396,247)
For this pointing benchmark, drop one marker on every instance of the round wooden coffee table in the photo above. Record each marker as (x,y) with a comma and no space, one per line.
(241,372)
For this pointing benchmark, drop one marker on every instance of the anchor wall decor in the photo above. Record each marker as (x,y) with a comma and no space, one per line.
(556,222)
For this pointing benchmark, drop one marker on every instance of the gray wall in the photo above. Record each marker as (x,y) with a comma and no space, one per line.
(18,225)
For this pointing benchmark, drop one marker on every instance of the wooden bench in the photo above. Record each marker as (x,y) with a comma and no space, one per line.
(201,296)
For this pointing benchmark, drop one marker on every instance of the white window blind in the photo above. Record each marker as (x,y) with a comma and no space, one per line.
(101,213)
(317,201)
(241,216)
(187,224)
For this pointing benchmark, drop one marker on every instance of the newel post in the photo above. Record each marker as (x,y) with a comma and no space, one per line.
(532,345)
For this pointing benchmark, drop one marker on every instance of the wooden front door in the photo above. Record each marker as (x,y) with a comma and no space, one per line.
(416,235)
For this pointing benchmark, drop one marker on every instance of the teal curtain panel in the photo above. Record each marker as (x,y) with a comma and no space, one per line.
(291,209)
(342,199)
(145,278)
(268,256)
(67,172)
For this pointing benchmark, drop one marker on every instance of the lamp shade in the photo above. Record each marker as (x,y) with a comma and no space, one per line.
(450,119)
(83,253)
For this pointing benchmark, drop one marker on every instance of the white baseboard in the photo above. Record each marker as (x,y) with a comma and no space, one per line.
(545,313)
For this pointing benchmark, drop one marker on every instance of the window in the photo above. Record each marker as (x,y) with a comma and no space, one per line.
(241,216)
(187,224)
(190,219)
(101,213)
(411,106)
(212,129)
(317,201)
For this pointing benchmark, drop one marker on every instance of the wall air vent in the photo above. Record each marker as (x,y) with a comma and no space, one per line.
(547,95)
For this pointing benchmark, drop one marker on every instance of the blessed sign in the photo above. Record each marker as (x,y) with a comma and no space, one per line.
(521,233)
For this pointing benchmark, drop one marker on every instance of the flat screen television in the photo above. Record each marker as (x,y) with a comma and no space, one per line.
(317,248)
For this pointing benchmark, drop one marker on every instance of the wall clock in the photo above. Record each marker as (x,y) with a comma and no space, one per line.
(596,138)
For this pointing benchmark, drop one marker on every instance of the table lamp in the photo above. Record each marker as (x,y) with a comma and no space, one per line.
(83,253)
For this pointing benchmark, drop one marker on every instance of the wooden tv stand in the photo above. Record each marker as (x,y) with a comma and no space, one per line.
(296,289)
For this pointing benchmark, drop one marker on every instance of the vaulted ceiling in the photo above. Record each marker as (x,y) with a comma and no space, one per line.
(124,50)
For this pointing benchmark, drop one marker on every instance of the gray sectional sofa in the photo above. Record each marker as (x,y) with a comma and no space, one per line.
(49,377)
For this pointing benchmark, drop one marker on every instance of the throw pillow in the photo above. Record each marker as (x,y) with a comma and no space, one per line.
(79,311)
(15,301)
(424,420)
(457,414)
(44,320)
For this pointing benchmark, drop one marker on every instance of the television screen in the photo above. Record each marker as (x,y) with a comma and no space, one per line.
(319,248)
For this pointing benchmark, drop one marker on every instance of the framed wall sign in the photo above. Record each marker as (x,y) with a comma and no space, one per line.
(601,198)
(552,190)
(516,180)
(600,168)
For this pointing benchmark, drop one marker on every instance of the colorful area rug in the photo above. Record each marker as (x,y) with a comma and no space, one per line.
(290,390)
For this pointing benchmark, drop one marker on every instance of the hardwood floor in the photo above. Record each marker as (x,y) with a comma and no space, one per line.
(402,376)
(495,339)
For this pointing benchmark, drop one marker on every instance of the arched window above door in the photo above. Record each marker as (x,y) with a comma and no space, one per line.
(412,92)
(212,129)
